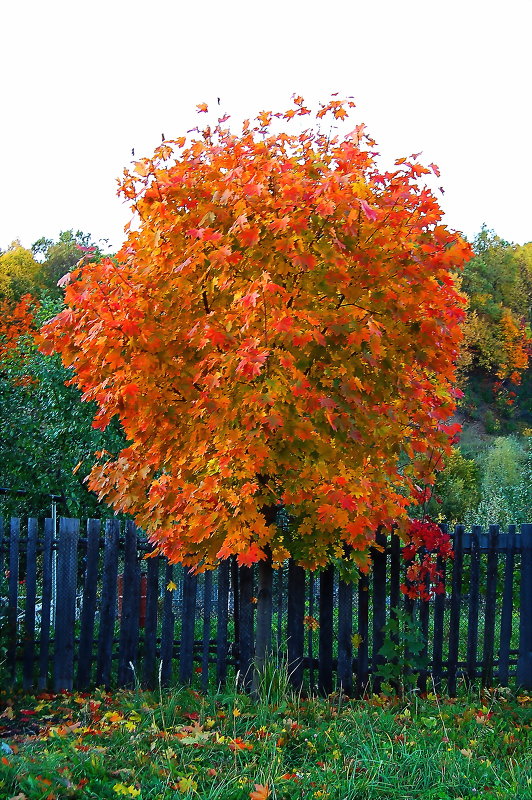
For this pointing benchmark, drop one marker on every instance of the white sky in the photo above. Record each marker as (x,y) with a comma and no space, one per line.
(81,83)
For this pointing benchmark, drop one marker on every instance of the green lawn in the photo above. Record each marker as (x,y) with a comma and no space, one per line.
(178,743)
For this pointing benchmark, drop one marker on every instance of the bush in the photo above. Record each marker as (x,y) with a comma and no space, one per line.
(457,489)
(506,485)
(491,423)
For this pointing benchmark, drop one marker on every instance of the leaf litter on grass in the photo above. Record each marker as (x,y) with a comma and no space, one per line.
(135,744)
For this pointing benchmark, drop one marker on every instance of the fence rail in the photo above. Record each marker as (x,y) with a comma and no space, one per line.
(84,608)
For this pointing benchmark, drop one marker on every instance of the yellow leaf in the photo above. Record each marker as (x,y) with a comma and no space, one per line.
(171,586)
(187,785)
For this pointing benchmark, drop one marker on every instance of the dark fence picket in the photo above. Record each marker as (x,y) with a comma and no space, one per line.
(235,594)
(150,626)
(310,630)
(379,596)
(222,623)
(88,609)
(474,590)
(168,627)
(395,572)
(424,617)
(65,604)
(28,656)
(130,612)
(395,583)
(246,608)
(188,621)
(454,617)
(439,615)
(507,606)
(279,610)
(106,630)
(12,598)
(488,652)
(362,667)
(345,637)
(326,631)
(524,663)
(206,643)
(295,626)
(2,546)
(46,604)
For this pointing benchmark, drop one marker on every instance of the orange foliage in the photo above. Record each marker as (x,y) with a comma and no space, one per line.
(516,349)
(281,330)
(16,320)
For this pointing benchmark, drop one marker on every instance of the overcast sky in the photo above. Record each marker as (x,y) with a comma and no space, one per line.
(83,83)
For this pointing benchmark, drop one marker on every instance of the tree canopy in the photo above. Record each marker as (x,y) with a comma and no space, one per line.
(20,273)
(280,331)
(498,284)
(62,255)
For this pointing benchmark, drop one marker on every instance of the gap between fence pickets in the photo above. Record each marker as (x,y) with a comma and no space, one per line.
(85,634)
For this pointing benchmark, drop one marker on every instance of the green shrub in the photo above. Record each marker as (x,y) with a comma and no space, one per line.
(506,485)
(457,489)
(491,423)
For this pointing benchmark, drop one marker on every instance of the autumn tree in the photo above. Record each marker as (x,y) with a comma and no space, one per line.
(280,331)
(498,284)
(20,273)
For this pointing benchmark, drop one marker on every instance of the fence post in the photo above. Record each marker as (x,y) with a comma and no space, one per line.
(222,622)
(65,604)
(474,598)
(345,636)
(150,627)
(88,610)
(326,633)
(29,612)
(12,603)
(46,604)
(188,619)
(524,663)
(507,606)
(129,621)
(379,594)
(108,603)
(295,629)
(454,617)
(488,655)
(246,609)
(167,627)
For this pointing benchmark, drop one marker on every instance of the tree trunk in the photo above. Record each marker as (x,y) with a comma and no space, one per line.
(263,636)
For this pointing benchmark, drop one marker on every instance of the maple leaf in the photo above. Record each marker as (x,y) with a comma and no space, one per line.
(261,792)
(250,300)
(202,108)
(250,556)
(368,211)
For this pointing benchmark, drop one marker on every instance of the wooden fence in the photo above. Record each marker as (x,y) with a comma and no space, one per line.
(85,608)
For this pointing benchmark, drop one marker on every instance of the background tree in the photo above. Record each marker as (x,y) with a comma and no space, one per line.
(20,273)
(47,441)
(281,331)
(62,255)
(498,285)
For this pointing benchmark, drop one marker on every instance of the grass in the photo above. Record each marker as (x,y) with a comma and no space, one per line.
(178,743)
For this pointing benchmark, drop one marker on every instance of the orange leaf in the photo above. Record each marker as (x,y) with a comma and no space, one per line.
(262,792)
